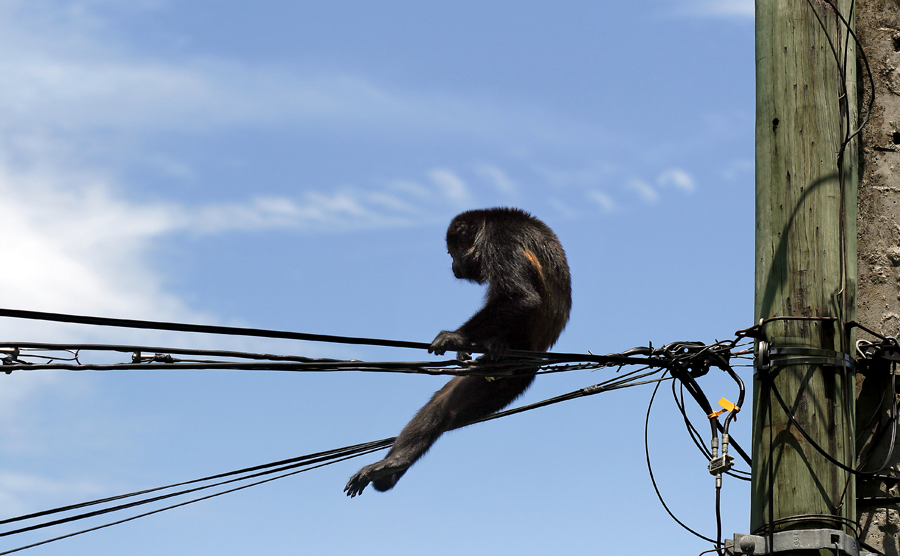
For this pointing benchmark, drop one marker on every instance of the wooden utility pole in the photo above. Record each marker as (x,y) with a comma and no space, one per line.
(806,179)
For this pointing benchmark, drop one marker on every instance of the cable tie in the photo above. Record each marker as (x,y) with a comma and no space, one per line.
(728,405)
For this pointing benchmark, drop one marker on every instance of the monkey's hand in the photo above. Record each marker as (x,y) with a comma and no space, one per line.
(448,341)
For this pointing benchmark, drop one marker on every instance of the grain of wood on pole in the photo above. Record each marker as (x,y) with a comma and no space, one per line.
(805,260)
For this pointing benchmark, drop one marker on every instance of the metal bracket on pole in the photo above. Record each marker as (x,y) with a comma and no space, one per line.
(772,357)
(835,540)
(782,356)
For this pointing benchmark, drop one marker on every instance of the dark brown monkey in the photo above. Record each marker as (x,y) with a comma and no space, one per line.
(527,306)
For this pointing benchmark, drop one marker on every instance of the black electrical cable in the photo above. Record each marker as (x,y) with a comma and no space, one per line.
(683,360)
(650,470)
(697,439)
(328,459)
(322,458)
(818,448)
(43,346)
(185,503)
(204,329)
(612,359)
(692,430)
(881,429)
(893,420)
(719,543)
(358,449)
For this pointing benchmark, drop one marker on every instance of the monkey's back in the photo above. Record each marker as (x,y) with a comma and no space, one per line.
(538,263)
(555,286)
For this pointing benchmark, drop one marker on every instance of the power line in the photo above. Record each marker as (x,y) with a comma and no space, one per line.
(286,468)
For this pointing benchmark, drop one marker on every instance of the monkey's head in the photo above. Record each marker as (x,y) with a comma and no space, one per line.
(462,244)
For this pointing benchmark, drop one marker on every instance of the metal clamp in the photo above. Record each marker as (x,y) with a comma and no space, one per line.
(803,539)
(771,357)
(781,357)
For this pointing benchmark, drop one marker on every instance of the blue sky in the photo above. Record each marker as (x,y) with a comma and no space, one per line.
(293,165)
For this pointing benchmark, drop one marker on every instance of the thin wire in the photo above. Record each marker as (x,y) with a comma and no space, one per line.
(364,448)
(204,329)
(650,470)
(139,349)
(132,518)
(719,543)
(615,383)
(635,356)
(818,448)
(683,360)
(695,436)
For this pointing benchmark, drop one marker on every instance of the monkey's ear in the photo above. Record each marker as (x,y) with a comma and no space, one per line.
(460,229)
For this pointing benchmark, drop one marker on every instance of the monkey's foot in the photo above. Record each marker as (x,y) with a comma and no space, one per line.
(383,477)
(356,484)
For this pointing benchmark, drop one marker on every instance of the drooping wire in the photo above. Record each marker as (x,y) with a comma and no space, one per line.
(185,503)
(285,467)
(257,470)
(697,438)
(653,478)
(682,360)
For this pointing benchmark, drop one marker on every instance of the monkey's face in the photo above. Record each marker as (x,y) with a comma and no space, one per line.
(462,245)
(466,265)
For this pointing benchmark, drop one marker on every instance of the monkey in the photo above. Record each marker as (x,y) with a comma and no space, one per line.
(526,307)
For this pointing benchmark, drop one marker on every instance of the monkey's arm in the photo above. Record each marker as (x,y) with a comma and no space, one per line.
(496,327)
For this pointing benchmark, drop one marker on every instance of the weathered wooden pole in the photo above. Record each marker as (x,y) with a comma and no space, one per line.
(806,178)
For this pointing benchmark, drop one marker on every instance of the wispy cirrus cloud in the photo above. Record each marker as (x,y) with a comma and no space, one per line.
(603,200)
(677,178)
(644,190)
(66,74)
(497,178)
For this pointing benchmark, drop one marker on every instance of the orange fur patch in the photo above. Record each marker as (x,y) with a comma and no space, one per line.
(534,261)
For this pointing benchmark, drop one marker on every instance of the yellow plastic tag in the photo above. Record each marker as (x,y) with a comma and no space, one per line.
(727,405)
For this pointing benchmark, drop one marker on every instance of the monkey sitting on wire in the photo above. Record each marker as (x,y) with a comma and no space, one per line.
(527,306)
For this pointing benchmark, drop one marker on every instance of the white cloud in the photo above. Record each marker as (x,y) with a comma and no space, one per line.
(71,82)
(587,176)
(498,178)
(407,187)
(350,209)
(678,178)
(645,190)
(605,201)
(74,244)
(63,74)
(451,185)
(80,248)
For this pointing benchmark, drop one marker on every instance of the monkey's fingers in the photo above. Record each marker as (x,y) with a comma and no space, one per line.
(447,340)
